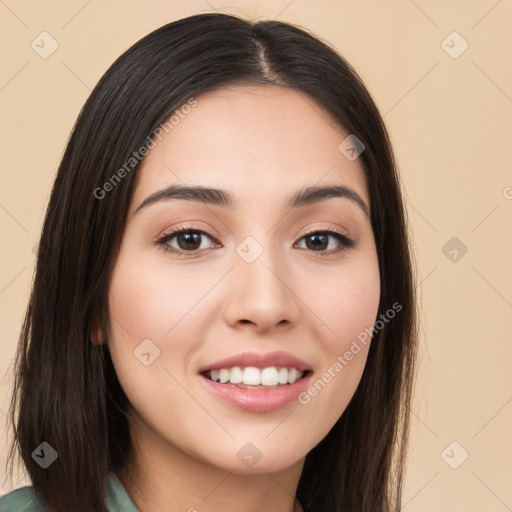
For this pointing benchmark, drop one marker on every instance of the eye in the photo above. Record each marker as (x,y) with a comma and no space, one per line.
(188,241)
(184,241)
(318,241)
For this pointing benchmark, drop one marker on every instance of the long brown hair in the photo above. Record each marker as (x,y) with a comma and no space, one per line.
(66,391)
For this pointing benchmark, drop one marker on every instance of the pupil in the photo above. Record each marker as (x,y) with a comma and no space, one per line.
(188,239)
(316,244)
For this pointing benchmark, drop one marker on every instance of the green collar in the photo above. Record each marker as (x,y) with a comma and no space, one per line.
(24,499)
(118,499)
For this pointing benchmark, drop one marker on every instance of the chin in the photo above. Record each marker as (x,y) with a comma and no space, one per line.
(257,457)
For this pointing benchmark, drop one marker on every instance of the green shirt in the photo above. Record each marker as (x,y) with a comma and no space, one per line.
(24,500)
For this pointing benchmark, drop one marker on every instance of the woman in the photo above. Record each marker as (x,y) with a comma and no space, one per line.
(223,312)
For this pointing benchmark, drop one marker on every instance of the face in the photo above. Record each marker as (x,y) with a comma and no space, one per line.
(254,289)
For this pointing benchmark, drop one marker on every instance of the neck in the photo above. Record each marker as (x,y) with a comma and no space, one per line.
(159,476)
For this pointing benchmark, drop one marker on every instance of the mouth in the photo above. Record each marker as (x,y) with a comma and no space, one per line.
(252,377)
(256,382)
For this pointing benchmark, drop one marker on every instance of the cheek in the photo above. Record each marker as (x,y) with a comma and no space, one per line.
(143,306)
(346,301)
(155,309)
(148,301)
(347,305)
(148,316)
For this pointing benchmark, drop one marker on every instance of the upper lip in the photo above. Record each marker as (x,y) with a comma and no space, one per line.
(259,361)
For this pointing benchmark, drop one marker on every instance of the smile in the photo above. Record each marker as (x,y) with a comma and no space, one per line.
(250,377)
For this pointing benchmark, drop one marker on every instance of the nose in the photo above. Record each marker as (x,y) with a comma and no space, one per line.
(261,293)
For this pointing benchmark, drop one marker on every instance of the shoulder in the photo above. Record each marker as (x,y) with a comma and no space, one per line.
(21,500)
(24,499)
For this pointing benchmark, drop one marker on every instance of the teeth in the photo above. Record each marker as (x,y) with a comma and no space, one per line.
(252,376)
(282,376)
(269,376)
(292,375)
(223,376)
(236,375)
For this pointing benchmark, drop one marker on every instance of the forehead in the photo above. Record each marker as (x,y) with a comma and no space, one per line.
(257,142)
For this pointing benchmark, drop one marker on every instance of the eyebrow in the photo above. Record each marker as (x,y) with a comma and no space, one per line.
(214,196)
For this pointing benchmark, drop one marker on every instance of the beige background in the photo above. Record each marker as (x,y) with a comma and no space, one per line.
(450,121)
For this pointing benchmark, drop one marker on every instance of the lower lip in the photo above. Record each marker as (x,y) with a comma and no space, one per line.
(257,400)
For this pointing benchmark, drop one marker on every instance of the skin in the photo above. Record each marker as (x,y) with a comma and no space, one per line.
(261,144)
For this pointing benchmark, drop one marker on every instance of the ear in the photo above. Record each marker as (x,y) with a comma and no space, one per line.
(97,335)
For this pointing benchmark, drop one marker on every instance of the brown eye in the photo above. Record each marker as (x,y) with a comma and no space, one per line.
(185,240)
(188,241)
(319,241)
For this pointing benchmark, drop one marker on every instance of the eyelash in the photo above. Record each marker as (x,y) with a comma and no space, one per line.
(346,242)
